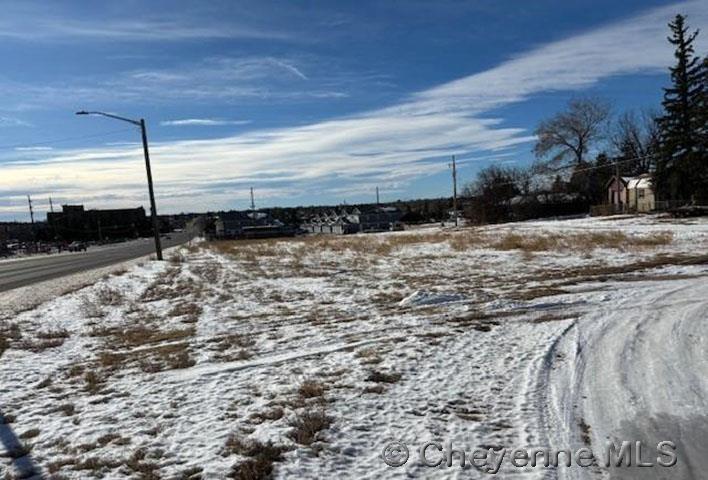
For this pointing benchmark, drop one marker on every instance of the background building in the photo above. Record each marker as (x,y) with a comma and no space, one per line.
(76,223)
(354,220)
(249,224)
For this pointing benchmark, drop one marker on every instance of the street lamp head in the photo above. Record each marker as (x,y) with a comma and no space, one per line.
(82,112)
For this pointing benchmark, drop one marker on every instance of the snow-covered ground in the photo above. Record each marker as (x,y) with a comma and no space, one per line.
(308,356)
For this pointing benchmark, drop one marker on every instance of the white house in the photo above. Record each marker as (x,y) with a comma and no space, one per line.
(631,194)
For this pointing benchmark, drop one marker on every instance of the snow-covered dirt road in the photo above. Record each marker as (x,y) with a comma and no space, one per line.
(636,368)
(304,358)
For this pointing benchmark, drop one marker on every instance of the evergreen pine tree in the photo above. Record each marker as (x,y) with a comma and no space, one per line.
(703,126)
(681,152)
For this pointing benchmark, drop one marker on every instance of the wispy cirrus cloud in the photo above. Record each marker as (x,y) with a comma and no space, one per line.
(33,149)
(41,22)
(13,122)
(202,122)
(213,79)
(634,45)
(395,144)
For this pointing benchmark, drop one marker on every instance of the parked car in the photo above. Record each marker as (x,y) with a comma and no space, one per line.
(77,247)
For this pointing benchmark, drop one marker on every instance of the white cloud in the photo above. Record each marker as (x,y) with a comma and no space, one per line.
(33,149)
(28,21)
(289,67)
(635,45)
(13,122)
(213,79)
(202,122)
(395,144)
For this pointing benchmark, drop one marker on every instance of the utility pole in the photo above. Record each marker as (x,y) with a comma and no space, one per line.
(618,182)
(51,222)
(34,234)
(454,190)
(29,200)
(253,202)
(377,197)
(153,207)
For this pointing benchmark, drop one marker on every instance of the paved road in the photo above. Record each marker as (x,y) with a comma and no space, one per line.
(23,272)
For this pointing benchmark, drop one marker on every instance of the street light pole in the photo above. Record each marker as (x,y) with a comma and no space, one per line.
(153,207)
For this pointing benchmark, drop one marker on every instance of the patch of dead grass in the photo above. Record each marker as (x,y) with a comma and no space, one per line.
(107,296)
(378,376)
(579,242)
(307,425)
(261,458)
(311,389)
(189,310)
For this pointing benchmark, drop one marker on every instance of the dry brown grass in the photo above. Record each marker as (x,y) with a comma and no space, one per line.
(145,346)
(93,382)
(368,355)
(377,389)
(4,344)
(100,466)
(580,242)
(307,425)
(112,438)
(261,458)
(361,246)
(549,317)
(68,409)
(272,414)
(585,432)
(536,292)
(209,272)
(162,287)
(232,347)
(8,332)
(91,308)
(575,275)
(466,240)
(190,311)
(363,249)
(40,344)
(168,357)
(28,434)
(52,334)
(311,389)
(107,296)
(383,377)
(141,334)
(177,258)
(146,470)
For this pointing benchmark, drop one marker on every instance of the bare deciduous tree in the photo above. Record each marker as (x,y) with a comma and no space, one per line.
(636,137)
(567,136)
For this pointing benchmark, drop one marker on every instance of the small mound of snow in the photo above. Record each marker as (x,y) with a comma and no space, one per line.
(421,297)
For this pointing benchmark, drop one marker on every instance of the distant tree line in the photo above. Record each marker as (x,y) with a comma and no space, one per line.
(569,174)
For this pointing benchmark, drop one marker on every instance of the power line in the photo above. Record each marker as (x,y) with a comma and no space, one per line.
(586,169)
(62,140)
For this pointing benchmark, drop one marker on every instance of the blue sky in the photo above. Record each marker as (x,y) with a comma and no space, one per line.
(308,102)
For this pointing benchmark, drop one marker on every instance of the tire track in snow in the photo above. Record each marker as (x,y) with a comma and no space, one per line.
(639,358)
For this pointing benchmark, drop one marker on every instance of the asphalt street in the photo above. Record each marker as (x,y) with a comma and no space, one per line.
(27,271)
